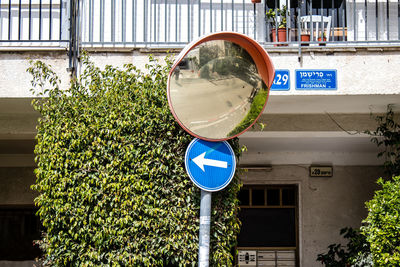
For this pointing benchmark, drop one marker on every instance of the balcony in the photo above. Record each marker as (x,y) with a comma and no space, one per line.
(174,23)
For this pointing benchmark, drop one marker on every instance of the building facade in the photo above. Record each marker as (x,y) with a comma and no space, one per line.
(306,175)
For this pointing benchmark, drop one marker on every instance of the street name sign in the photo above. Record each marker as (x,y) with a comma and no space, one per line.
(316,80)
(210,165)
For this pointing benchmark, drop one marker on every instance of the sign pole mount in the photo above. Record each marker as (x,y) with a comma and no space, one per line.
(204,233)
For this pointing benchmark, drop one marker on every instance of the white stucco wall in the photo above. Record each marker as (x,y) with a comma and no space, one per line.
(358,72)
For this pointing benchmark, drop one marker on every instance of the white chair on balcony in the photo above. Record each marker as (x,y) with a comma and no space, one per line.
(316,25)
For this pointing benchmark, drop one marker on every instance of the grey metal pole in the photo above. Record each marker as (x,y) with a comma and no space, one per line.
(204,233)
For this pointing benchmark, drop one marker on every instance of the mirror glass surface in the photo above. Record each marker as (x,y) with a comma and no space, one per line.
(216,91)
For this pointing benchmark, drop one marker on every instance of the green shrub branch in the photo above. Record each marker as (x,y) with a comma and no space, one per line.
(110,173)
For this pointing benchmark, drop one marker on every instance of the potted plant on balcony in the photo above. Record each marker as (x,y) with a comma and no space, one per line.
(322,39)
(305,37)
(277,18)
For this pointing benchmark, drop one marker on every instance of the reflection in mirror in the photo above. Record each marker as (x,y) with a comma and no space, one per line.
(216,91)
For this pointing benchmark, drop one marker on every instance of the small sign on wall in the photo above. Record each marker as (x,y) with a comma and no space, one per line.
(318,171)
(281,81)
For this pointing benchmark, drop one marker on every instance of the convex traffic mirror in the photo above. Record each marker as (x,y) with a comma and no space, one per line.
(219,85)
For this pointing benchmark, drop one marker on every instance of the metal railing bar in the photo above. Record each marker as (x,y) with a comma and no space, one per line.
(254,22)
(376,20)
(91,20)
(50,19)
(154,12)
(244,17)
(311,22)
(387,19)
(9,19)
(343,7)
(19,20)
(322,21)
(298,33)
(153,23)
(179,24)
(165,20)
(211,29)
(123,20)
(60,18)
(222,15)
(226,18)
(366,19)
(333,13)
(276,23)
(233,15)
(145,22)
(199,19)
(101,28)
(40,20)
(398,19)
(189,18)
(112,20)
(134,20)
(176,20)
(0,10)
(30,20)
(288,26)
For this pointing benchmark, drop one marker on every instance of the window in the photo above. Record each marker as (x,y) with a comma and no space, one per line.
(19,227)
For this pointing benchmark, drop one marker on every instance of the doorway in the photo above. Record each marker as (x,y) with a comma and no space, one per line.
(269,232)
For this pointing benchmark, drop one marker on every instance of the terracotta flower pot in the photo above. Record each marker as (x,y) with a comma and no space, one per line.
(281,36)
(322,40)
(305,38)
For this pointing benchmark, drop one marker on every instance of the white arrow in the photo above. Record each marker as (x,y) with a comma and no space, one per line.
(201,161)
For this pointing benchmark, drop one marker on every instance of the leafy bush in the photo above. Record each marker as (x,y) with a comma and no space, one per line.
(111,178)
(356,253)
(387,135)
(383,223)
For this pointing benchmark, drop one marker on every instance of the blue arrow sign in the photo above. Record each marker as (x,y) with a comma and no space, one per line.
(210,165)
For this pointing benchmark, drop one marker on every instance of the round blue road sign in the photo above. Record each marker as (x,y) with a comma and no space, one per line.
(210,165)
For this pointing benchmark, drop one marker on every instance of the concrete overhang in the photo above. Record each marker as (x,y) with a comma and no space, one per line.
(319,104)
(322,148)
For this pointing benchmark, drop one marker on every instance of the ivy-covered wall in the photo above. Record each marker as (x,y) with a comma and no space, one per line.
(111,178)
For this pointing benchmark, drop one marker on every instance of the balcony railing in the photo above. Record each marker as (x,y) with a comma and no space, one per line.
(174,23)
(37,22)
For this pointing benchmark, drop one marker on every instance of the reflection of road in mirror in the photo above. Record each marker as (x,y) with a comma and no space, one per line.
(227,104)
(215,90)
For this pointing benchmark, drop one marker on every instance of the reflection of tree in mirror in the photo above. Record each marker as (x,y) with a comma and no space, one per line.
(226,67)
(235,50)
(208,52)
(255,109)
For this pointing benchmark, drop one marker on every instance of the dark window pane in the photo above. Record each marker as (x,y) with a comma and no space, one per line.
(258,197)
(18,229)
(244,197)
(273,197)
(288,197)
(264,227)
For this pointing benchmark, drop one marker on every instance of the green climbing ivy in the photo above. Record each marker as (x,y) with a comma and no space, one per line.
(110,173)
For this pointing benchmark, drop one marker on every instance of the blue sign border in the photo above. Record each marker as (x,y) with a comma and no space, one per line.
(194,141)
(319,89)
(288,85)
